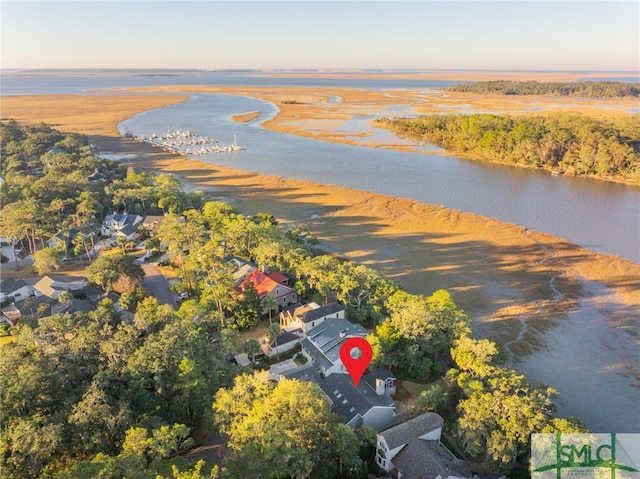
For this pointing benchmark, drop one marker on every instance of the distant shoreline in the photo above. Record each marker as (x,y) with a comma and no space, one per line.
(370,73)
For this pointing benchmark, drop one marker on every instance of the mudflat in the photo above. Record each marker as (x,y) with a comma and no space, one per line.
(518,285)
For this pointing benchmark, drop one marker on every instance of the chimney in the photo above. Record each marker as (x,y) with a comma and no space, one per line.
(380,388)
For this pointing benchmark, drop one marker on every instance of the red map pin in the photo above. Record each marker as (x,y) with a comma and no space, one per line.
(356,355)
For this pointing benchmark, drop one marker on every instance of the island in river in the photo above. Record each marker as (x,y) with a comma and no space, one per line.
(523,288)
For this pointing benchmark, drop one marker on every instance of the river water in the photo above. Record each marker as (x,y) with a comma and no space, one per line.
(598,215)
(601,216)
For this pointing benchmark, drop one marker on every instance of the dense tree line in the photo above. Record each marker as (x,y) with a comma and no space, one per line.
(585,89)
(91,386)
(47,188)
(218,230)
(566,143)
(287,430)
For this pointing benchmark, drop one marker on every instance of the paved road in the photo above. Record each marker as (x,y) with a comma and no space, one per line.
(157,285)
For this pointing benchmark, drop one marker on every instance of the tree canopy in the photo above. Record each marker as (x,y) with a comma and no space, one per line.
(585,89)
(562,142)
(284,430)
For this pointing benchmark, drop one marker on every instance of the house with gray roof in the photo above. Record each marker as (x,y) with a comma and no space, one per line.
(322,344)
(310,315)
(368,405)
(285,341)
(124,224)
(412,450)
(14,288)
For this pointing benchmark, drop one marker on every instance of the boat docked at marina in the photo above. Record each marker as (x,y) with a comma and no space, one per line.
(188,143)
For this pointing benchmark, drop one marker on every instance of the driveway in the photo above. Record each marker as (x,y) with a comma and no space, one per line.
(157,285)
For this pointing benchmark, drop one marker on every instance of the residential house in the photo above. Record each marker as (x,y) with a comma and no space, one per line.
(368,405)
(11,314)
(151,223)
(14,288)
(309,316)
(74,305)
(412,450)
(271,285)
(51,287)
(118,222)
(322,344)
(62,238)
(285,341)
(128,232)
(97,176)
(243,268)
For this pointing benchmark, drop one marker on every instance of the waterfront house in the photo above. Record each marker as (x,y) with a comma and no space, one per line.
(271,285)
(322,344)
(309,316)
(368,405)
(412,450)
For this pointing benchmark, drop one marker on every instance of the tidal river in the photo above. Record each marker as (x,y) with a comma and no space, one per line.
(590,363)
(601,216)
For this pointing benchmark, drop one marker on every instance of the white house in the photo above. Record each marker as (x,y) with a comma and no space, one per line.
(116,222)
(51,287)
(412,450)
(309,316)
(368,405)
(15,288)
(285,341)
(322,344)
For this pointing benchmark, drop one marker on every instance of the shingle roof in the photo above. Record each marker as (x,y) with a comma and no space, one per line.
(347,401)
(8,286)
(284,338)
(320,312)
(128,229)
(412,429)
(427,460)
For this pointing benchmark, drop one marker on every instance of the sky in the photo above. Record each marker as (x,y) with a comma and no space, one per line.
(424,35)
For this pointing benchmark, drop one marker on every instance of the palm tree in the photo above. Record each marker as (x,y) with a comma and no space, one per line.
(273,331)
(269,302)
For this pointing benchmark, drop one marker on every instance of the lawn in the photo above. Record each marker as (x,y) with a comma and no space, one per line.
(416,388)
(256,333)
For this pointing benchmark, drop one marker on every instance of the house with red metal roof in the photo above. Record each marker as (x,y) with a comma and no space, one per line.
(273,285)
